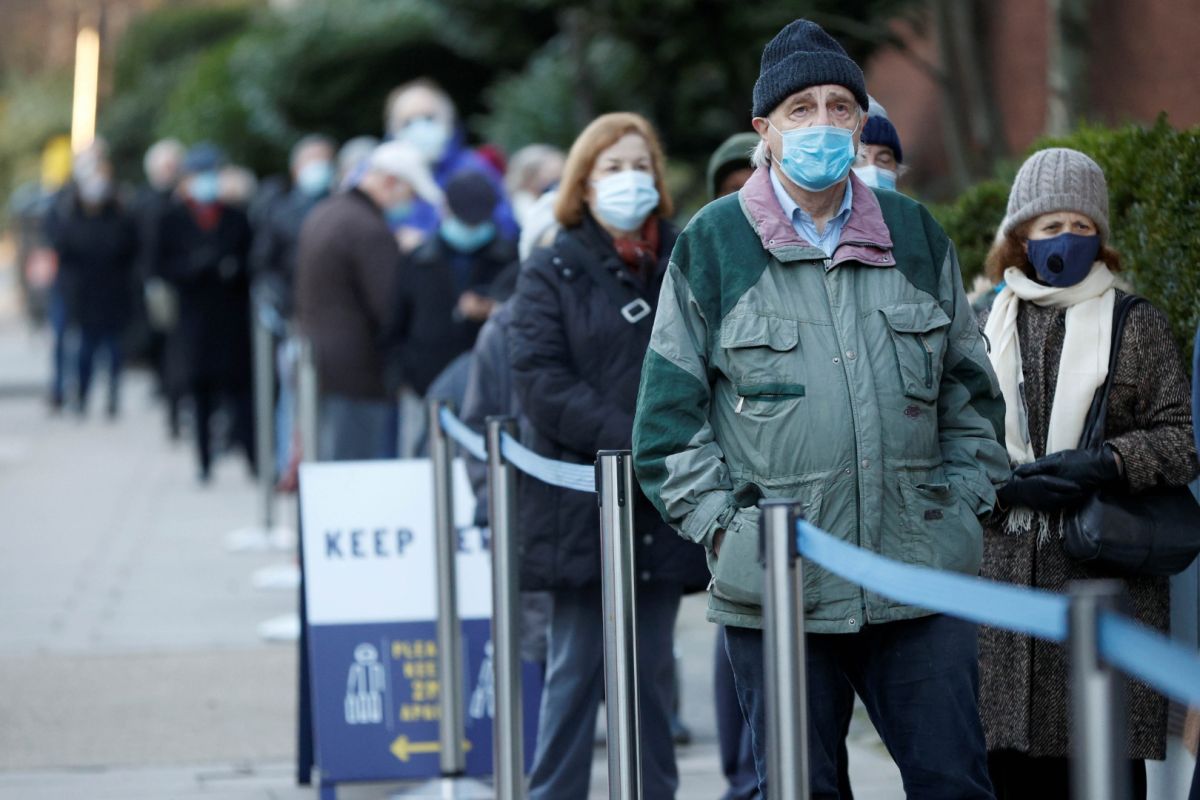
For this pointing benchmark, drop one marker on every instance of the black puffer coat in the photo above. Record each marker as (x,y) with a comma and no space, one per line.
(576,365)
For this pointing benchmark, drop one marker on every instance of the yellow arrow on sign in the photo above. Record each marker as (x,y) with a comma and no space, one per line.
(403,749)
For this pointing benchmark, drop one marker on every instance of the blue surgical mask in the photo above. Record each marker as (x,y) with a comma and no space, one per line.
(428,136)
(624,200)
(205,187)
(818,157)
(876,177)
(467,238)
(1064,260)
(399,213)
(315,178)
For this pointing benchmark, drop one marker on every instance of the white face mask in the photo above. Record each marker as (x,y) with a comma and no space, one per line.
(429,136)
(624,200)
(876,177)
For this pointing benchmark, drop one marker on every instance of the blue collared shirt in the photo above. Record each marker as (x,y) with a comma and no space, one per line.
(803,222)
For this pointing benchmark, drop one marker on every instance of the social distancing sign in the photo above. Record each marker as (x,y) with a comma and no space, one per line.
(370,582)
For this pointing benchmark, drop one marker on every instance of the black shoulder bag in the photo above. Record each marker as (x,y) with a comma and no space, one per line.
(1155,532)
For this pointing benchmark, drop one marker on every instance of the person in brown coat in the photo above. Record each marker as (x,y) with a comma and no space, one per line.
(1050,331)
(348,262)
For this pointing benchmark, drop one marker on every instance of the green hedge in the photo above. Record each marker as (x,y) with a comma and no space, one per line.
(1153,178)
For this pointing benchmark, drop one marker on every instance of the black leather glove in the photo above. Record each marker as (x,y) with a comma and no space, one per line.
(1090,469)
(1041,493)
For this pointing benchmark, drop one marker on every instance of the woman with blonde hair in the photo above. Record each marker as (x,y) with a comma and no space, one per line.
(581,321)
(1051,334)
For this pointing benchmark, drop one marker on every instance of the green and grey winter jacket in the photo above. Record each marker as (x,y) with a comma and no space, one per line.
(858,385)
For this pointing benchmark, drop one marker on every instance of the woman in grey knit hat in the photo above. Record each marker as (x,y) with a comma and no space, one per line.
(1050,329)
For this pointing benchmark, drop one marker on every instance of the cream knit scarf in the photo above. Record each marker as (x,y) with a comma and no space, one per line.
(1081,369)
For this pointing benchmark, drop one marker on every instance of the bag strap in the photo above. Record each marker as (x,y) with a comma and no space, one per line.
(1093,426)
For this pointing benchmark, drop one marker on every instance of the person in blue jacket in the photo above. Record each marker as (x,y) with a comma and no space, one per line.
(420,113)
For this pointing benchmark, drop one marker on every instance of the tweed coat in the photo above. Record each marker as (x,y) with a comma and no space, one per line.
(1023,681)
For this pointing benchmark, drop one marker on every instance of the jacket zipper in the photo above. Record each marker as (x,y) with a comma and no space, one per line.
(741,403)
(928,361)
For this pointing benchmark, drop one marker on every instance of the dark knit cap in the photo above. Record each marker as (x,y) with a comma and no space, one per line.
(880,130)
(471,197)
(803,55)
(734,153)
(203,157)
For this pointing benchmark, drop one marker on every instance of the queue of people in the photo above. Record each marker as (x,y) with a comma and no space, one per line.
(805,336)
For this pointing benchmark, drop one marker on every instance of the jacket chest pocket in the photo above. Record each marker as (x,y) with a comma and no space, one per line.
(918,332)
(764,359)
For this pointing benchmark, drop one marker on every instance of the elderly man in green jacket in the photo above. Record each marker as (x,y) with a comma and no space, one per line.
(813,341)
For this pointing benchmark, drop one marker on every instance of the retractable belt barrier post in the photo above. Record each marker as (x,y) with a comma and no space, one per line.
(1099,764)
(264,407)
(452,729)
(614,484)
(508,729)
(307,402)
(787,683)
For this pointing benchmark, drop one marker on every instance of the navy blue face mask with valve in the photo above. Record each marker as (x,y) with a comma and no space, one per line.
(1064,260)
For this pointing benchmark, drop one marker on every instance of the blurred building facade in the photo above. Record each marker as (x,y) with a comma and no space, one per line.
(1134,60)
(39,35)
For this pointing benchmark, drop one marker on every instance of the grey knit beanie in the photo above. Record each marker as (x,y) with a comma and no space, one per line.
(1058,179)
(803,55)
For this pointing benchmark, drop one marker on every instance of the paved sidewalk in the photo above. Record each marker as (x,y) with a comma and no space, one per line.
(130,666)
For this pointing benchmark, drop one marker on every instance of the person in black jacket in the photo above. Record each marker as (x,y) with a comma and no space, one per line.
(204,248)
(162,164)
(273,264)
(443,298)
(581,321)
(96,242)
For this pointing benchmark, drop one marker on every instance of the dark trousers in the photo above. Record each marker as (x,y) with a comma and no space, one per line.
(207,397)
(57,314)
(1017,776)
(733,734)
(562,765)
(90,343)
(919,681)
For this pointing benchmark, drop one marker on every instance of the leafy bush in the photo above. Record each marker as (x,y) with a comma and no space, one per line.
(971,221)
(1153,176)
(156,54)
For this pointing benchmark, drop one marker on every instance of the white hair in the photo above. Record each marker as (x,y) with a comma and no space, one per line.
(448,111)
(159,153)
(526,165)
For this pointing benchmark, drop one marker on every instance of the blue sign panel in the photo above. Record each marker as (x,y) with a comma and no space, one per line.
(375,699)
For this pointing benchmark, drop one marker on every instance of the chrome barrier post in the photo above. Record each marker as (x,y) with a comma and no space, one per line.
(614,488)
(307,400)
(507,725)
(452,729)
(1099,751)
(264,407)
(783,634)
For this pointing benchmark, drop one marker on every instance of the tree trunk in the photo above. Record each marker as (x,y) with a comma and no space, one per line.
(1066,64)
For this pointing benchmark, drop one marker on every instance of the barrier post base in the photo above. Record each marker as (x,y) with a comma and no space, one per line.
(447,789)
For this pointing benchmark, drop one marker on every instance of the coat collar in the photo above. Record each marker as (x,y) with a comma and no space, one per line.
(865,238)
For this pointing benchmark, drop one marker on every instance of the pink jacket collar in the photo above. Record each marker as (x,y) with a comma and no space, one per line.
(865,238)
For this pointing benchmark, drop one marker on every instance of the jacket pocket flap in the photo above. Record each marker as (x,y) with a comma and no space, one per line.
(915,317)
(755,330)
(767,390)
